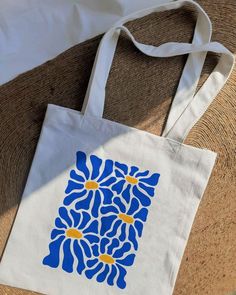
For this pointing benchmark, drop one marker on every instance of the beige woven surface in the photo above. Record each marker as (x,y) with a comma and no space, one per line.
(139,93)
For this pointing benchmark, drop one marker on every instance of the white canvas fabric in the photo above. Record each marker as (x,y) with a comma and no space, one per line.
(33,31)
(107,208)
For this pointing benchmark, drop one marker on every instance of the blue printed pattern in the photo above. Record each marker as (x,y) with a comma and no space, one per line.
(97,229)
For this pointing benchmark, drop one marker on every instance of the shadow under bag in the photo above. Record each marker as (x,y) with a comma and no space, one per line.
(107,209)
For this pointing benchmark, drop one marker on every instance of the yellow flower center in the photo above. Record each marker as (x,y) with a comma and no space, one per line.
(106,258)
(126,218)
(131,179)
(74,233)
(91,185)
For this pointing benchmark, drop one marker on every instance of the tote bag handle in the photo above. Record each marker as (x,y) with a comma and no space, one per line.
(187,107)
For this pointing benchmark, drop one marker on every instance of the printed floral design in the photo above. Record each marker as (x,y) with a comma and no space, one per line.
(73,234)
(109,261)
(118,219)
(134,182)
(90,187)
(98,227)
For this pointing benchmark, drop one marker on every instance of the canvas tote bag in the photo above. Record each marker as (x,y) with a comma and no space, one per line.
(107,209)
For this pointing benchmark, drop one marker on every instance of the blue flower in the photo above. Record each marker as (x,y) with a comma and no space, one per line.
(109,262)
(71,239)
(123,220)
(96,232)
(131,181)
(89,184)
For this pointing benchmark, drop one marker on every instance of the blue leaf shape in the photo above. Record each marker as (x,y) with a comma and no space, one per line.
(141,214)
(145,201)
(53,258)
(106,223)
(85,219)
(67,264)
(108,209)
(92,228)
(73,186)
(86,248)
(103,245)
(120,204)
(119,174)
(102,276)
(92,262)
(70,198)
(141,174)
(76,177)
(56,232)
(121,278)
(139,226)
(120,252)
(79,254)
(92,238)
(117,187)
(96,204)
(132,237)
(84,204)
(122,236)
(152,180)
(108,182)
(59,223)
(76,217)
(81,164)
(64,215)
(126,193)
(110,279)
(107,170)
(95,250)
(134,205)
(149,190)
(127,261)
(133,170)
(108,195)
(122,167)
(114,244)
(96,164)
(113,231)
(91,272)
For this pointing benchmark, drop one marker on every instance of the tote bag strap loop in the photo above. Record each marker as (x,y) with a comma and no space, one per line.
(185,110)
(95,96)
(192,70)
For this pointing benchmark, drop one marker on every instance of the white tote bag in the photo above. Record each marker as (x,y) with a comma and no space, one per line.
(107,208)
